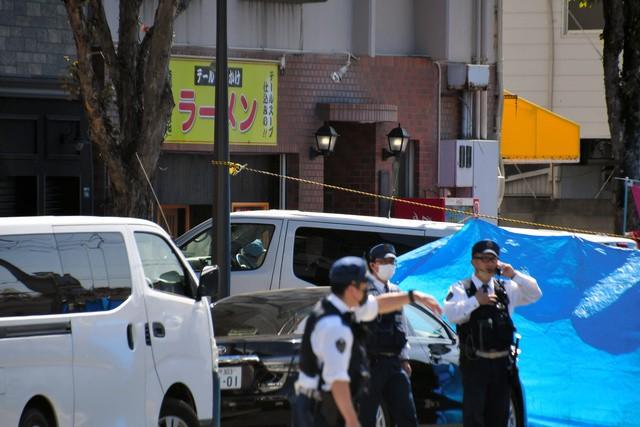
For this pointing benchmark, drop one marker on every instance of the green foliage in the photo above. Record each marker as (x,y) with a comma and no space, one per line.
(70,80)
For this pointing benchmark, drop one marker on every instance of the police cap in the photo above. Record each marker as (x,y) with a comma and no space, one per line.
(486,247)
(348,269)
(381,251)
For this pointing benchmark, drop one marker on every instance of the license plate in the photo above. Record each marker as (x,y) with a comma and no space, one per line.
(230,378)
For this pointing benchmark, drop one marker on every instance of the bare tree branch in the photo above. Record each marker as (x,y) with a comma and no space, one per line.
(128,99)
(104,39)
(156,91)
(93,107)
(127,112)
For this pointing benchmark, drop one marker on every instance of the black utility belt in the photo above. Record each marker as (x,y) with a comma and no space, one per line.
(383,356)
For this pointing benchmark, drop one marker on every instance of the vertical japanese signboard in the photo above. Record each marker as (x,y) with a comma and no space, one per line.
(253,88)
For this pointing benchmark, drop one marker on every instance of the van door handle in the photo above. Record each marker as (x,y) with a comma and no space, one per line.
(158,329)
(130,336)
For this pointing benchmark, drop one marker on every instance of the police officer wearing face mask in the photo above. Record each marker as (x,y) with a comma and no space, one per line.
(333,362)
(481,307)
(388,350)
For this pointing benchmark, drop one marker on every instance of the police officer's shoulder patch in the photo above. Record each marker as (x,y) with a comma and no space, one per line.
(341,345)
(449,295)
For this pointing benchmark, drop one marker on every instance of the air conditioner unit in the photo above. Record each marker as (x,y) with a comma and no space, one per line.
(471,163)
(462,76)
(456,163)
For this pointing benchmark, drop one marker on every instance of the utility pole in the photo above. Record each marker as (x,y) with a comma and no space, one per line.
(221,231)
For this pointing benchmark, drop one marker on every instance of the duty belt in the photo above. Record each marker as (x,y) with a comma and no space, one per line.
(492,354)
(308,392)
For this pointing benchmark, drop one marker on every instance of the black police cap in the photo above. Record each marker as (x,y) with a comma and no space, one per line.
(486,247)
(348,269)
(381,251)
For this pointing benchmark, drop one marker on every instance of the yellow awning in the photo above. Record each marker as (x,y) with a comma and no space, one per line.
(532,134)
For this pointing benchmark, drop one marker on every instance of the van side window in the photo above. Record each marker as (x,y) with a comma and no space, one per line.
(249,246)
(315,249)
(62,273)
(162,268)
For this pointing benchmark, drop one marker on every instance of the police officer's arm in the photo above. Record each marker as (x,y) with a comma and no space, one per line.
(386,303)
(458,306)
(333,343)
(522,288)
(394,301)
(342,395)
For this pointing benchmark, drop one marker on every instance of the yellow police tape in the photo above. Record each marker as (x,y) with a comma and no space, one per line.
(236,168)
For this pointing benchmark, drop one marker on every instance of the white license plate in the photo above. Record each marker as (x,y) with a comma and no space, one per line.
(230,378)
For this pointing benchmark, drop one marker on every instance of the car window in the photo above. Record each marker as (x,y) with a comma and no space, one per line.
(250,315)
(315,249)
(162,268)
(62,273)
(249,247)
(422,325)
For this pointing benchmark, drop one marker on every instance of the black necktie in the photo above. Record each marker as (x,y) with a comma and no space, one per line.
(485,288)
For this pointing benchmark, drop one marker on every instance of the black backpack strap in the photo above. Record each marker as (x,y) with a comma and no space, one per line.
(501,291)
(469,287)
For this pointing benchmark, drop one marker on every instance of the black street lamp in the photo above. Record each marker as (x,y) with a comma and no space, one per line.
(326,138)
(398,139)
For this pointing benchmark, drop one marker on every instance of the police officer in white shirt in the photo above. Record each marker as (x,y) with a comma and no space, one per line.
(481,307)
(333,362)
(388,350)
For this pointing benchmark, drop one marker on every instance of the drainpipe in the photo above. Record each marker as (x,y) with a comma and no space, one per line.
(552,57)
(483,59)
(438,114)
(479,58)
(500,106)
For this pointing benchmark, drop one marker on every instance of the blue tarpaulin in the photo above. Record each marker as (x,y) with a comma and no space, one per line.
(580,361)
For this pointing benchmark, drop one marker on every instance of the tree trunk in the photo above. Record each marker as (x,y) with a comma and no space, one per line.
(631,103)
(621,36)
(129,104)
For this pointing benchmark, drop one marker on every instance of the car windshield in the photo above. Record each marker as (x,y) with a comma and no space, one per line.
(263,314)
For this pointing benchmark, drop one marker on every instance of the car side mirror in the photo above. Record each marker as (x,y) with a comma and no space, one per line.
(208,284)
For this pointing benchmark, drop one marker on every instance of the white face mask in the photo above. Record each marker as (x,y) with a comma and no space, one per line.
(386,271)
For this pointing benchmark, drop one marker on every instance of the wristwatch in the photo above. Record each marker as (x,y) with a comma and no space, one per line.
(412,298)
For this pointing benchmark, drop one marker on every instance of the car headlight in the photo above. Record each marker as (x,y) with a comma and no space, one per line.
(214,355)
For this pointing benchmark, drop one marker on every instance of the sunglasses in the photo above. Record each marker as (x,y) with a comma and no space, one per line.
(486,258)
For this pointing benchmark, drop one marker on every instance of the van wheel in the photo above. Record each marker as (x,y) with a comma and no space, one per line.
(176,413)
(34,417)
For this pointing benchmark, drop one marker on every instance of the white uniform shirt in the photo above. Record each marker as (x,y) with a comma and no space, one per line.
(521,290)
(331,342)
(379,289)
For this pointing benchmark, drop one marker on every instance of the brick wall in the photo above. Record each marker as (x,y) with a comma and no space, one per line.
(352,165)
(34,38)
(410,83)
(407,82)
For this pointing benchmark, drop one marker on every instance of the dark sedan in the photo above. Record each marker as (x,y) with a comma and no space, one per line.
(259,336)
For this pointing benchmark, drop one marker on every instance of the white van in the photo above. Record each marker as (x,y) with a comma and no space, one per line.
(275,249)
(102,324)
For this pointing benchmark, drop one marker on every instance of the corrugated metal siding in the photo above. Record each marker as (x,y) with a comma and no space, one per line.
(529,184)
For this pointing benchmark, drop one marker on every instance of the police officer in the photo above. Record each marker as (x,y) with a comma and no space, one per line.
(481,307)
(333,362)
(388,350)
